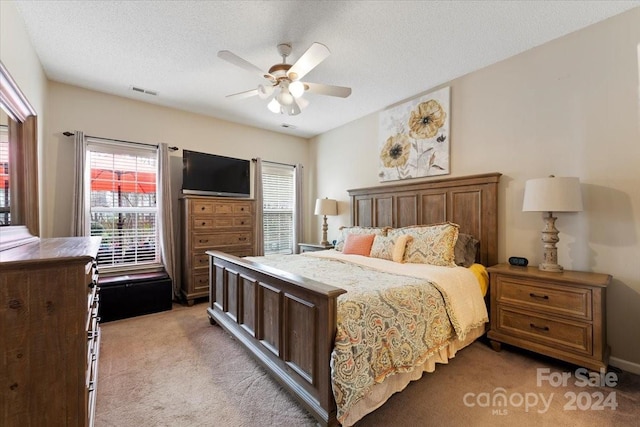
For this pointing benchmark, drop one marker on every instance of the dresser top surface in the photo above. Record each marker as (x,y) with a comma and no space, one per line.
(566,276)
(55,250)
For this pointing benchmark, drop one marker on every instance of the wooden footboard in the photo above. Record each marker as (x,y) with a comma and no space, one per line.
(286,321)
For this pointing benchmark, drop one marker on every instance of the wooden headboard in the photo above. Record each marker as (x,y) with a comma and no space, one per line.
(469,201)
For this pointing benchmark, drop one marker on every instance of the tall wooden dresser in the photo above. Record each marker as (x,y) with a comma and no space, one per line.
(212,223)
(49,332)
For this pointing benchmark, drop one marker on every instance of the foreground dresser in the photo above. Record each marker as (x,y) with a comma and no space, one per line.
(212,223)
(49,332)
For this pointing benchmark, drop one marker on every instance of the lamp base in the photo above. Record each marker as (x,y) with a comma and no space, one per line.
(325,227)
(550,238)
(554,268)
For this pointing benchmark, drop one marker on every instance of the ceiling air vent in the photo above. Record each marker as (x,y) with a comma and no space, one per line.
(148,92)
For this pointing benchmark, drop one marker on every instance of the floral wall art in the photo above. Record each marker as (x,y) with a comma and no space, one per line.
(414,138)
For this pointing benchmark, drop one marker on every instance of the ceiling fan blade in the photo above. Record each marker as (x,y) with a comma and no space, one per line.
(243,95)
(236,60)
(307,62)
(321,89)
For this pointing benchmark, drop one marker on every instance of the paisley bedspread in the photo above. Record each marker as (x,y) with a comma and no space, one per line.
(386,322)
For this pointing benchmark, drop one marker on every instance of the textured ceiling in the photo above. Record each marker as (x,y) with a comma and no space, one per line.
(386,51)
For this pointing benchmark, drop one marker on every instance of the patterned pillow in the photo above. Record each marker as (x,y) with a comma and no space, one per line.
(358,244)
(431,244)
(345,231)
(388,247)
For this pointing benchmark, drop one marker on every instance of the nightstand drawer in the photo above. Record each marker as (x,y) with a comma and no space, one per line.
(545,298)
(559,334)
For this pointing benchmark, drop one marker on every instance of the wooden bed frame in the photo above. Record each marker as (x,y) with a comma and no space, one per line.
(288,322)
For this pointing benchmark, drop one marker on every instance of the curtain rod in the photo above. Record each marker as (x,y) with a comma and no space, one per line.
(119,140)
(275,163)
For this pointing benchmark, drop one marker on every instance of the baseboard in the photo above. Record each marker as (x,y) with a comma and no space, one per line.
(625,365)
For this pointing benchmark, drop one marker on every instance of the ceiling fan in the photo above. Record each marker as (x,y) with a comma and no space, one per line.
(283,85)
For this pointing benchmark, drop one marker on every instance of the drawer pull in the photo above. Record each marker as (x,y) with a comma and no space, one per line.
(204,223)
(202,208)
(539,328)
(204,241)
(532,295)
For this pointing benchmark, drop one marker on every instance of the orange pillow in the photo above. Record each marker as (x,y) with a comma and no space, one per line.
(358,244)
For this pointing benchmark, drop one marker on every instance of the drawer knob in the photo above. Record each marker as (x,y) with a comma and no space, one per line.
(539,328)
(202,208)
(204,223)
(15,304)
(532,295)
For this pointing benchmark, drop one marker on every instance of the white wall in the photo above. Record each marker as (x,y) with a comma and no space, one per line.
(570,108)
(20,59)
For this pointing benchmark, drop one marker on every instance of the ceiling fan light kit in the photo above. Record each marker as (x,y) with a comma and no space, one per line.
(284,89)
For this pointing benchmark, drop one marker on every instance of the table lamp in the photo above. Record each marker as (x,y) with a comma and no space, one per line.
(326,207)
(552,194)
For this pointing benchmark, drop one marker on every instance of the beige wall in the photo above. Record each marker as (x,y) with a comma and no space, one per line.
(20,59)
(98,114)
(570,108)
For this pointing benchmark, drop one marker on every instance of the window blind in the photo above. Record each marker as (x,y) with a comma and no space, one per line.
(123,204)
(278,208)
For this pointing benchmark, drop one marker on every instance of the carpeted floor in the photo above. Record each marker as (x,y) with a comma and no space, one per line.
(175,369)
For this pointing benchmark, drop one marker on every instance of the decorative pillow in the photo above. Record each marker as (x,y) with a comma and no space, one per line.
(466,250)
(345,231)
(391,248)
(431,244)
(358,244)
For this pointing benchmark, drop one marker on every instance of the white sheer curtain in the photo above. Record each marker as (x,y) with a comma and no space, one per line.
(78,214)
(165,217)
(298,214)
(257,195)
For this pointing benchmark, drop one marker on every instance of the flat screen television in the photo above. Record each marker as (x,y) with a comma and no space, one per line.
(213,175)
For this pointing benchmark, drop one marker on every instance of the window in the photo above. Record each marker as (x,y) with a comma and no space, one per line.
(5,210)
(278,208)
(122,204)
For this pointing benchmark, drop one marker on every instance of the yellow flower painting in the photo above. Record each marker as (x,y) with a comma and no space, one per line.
(414,138)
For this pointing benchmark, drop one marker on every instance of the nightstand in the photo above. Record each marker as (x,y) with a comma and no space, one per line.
(312,247)
(561,315)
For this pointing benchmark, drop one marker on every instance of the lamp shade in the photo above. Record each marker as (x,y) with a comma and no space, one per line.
(326,207)
(553,194)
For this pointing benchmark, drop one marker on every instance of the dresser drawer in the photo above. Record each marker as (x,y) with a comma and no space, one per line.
(545,297)
(209,207)
(200,260)
(200,281)
(212,223)
(556,333)
(205,241)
